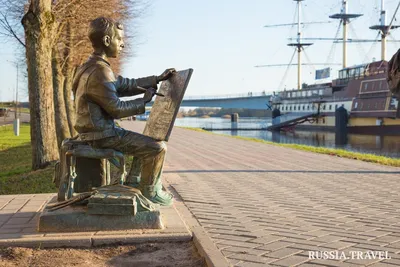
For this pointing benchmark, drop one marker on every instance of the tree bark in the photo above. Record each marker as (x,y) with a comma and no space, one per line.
(61,120)
(68,72)
(69,102)
(38,25)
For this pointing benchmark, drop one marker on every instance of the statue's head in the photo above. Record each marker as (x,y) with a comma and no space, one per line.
(106,36)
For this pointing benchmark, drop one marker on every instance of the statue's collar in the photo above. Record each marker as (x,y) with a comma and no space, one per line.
(99,58)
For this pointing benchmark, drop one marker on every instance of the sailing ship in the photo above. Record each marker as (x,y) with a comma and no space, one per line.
(361,90)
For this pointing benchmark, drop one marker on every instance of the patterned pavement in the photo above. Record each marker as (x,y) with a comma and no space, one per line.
(264,205)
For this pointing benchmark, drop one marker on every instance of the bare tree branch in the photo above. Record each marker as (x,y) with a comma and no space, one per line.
(5,24)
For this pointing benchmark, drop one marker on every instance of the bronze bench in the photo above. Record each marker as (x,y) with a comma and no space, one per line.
(82,167)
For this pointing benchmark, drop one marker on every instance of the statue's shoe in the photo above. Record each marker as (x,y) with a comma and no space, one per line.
(160,197)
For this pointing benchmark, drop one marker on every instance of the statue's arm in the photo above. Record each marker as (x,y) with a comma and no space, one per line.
(101,90)
(128,87)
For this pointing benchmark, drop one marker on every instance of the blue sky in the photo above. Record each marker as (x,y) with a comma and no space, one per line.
(223,41)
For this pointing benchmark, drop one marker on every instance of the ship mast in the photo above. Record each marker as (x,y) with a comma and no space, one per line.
(384,29)
(385,32)
(345,19)
(299,45)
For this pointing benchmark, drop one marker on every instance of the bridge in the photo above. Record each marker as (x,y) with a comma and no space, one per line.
(250,100)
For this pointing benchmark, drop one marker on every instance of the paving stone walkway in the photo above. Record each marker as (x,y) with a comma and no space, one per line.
(19,220)
(19,214)
(264,205)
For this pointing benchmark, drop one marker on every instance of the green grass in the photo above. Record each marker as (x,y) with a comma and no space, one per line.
(16,176)
(20,109)
(321,150)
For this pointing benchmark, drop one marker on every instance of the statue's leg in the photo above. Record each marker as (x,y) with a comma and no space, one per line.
(150,183)
(133,178)
(151,155)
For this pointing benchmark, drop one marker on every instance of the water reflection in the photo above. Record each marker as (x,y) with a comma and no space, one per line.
(380,145)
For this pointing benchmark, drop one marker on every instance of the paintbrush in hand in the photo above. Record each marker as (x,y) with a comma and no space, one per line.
(145,90)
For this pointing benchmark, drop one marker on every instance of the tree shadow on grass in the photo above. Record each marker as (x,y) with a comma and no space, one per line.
(16,176)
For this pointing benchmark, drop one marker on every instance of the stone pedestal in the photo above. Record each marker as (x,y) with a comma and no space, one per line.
(112,204)
(76,218)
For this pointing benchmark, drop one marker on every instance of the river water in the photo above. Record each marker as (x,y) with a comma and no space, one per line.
(380,145)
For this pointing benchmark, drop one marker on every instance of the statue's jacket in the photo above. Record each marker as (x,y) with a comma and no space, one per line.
(97,98)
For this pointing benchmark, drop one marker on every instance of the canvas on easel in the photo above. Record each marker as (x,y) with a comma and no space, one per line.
(165,109)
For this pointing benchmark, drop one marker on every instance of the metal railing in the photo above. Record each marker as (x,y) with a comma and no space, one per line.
(242,95)
(228,125)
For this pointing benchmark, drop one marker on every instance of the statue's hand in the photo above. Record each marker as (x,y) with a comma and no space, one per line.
(148,95)
(166,75)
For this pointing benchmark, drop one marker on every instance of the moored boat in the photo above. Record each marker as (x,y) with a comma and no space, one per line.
(362,90)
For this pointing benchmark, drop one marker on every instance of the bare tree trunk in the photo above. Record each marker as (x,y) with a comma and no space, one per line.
(62,127)
(69,102)
(69,71)
(39,24)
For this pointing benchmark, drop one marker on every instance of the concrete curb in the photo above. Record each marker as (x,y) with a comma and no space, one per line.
(203,243)
(207,249)
(92,241)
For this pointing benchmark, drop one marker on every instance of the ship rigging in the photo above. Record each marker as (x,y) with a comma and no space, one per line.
(345,19)
(359,100)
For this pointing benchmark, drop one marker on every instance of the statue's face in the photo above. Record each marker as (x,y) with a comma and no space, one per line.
(114,45)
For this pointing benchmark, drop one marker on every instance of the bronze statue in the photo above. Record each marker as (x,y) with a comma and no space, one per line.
(97,91)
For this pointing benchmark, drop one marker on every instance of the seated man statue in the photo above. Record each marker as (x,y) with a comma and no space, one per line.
(97,93)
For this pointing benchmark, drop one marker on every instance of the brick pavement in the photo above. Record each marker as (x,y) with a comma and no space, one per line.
(19,213)
(264,205)
(19,219)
